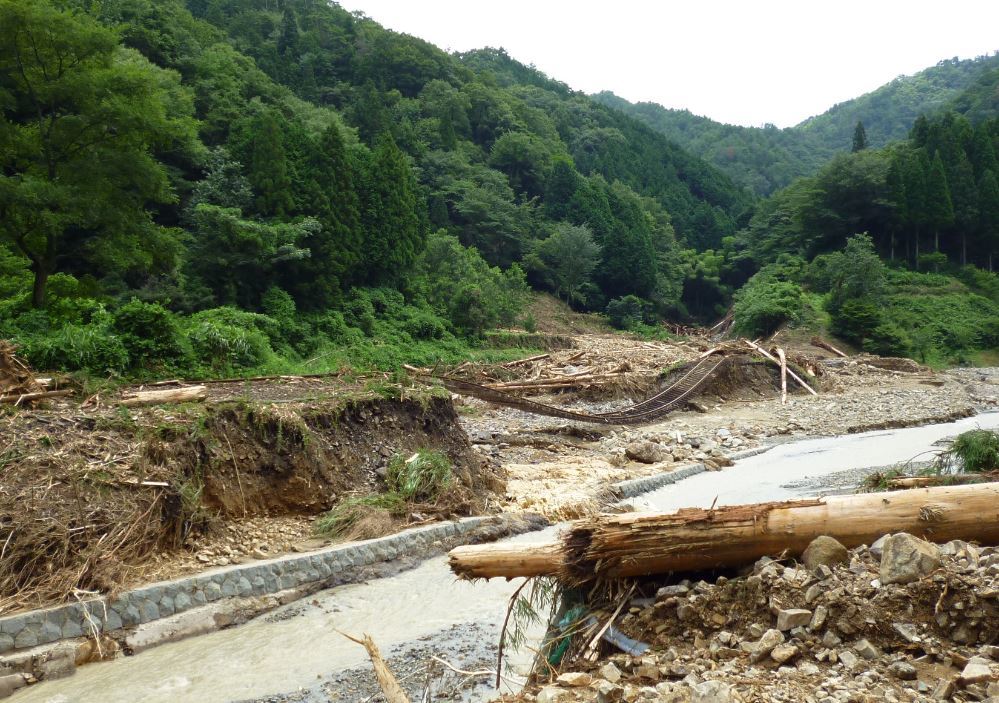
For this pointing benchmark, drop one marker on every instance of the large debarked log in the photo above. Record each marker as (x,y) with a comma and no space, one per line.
(693,539)
(186,394)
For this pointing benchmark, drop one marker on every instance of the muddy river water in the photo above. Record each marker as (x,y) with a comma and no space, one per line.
(275,654)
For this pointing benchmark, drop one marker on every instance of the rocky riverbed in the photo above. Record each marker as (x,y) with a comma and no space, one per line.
(563,469)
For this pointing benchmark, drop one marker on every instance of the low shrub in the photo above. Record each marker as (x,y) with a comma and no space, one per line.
(762,306)
(77,348)
(422,477)
(226,339)
(629,310)
(151,334)
(856,319)
(888,339)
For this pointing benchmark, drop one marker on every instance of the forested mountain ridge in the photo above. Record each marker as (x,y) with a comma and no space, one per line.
(768,158)
(303,177)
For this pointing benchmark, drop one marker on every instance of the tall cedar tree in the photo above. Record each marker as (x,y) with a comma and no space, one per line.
(897,197)
(562,183)
(80,118)
(988,213)
(914,177)
(859,138)
(391,206)
(964,196)
(939,212)
(337,250)
(267,169)
(983,153)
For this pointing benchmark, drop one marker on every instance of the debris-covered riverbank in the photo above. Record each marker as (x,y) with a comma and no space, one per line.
(900,620)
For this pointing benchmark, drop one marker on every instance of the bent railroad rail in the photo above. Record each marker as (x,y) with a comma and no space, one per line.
(644,412)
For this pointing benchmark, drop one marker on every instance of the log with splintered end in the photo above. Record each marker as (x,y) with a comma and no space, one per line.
(693,539)
(174,395)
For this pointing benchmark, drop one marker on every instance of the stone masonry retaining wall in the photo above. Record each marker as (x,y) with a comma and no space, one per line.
(163,599)
(638,486)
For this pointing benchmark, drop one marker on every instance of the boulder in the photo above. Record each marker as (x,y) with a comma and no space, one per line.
(824,551)
(711,692)
(977,670)
(761,649)
(647,452)
(905,559)
(574,679)
(788,619)
(610,672)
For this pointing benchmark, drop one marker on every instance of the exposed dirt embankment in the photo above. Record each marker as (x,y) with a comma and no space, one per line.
(301,458)
(91,501)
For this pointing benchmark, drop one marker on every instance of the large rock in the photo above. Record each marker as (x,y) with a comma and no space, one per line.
(977,670)
(824,551)
(610,672)
(760,650)
(711,692)
(790,618)
(905,559)
(553,694)
(647,452)
(574,679)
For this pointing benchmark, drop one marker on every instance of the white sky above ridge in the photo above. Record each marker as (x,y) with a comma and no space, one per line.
(740,62)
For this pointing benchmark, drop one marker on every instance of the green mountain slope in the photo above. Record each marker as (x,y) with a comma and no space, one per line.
(889,111)
(767,159)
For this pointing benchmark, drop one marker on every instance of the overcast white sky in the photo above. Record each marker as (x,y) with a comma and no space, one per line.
(744,62)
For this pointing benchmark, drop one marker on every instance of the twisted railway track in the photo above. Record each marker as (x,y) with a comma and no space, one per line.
(645,412)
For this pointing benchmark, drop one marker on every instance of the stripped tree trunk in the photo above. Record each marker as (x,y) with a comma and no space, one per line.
(693,539)
(174,395)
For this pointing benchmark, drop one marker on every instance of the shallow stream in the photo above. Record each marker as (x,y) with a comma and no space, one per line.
(295,647)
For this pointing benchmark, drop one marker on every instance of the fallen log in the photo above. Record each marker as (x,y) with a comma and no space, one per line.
(528,360)
(823,344)
(694,539)
(173,395)
(941,479)
(18,399)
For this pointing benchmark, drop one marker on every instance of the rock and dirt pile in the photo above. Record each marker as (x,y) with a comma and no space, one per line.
(900,620)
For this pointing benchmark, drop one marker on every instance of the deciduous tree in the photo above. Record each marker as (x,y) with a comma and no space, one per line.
(80,120)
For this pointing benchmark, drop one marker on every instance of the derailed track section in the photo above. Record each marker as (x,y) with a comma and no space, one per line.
(645,412)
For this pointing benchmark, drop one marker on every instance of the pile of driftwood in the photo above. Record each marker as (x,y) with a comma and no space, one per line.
(18,384)
(693,539)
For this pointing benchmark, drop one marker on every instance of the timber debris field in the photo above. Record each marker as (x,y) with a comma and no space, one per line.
(103,493)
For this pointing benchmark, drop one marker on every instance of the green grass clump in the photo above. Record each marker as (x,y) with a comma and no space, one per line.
(422,477)
(349,511)
(977,450)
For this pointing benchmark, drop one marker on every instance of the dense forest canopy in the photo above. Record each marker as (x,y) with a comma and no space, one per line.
(210,185)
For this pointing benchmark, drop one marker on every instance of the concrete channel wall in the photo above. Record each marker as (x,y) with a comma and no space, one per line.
(166,598)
